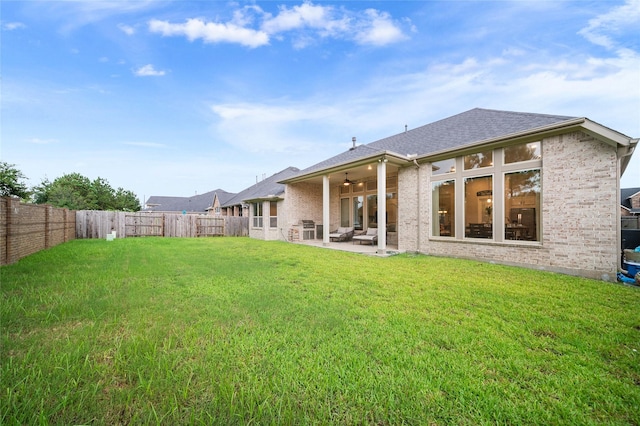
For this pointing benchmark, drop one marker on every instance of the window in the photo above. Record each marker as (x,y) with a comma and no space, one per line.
(273,214)
(372,211)
(344,212)
(358,212)
(444,166)
(497,194)
(478,160)
(478,207)
(257,215)
(522,205)
(522,152)
(392,211)
(444,211)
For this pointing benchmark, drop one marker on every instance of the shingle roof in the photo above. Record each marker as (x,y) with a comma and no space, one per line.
(467,128)
(266,188)
(626,194)
(197,203)
(224,196)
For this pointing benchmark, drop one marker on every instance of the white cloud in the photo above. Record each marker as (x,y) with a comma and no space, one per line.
(306,21)
(378,29)
(305,15)
(10,26)
(268,128)
(211,32)
(148,71)
(623,19)
(127,29)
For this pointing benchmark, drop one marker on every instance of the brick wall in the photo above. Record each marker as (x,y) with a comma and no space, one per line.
(28,228)
(580,213)
(301,201)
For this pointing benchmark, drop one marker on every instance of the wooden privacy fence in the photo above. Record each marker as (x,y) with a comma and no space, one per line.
(28,228)
(97,224)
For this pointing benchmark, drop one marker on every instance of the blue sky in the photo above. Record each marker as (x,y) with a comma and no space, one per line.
(183,97)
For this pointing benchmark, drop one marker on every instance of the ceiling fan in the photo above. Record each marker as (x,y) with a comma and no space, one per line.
(348,182)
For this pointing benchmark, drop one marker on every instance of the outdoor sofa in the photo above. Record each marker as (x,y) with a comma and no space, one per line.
(371,236)
(341,234)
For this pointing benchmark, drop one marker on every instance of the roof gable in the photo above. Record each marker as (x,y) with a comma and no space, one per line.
(223,196)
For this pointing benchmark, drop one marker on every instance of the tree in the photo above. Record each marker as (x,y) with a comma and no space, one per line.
(77,192)
(11,184)
(126,201)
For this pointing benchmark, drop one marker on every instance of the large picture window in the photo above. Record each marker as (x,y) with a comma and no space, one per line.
(497,193)
(478,207)
(522,205)
(444,208)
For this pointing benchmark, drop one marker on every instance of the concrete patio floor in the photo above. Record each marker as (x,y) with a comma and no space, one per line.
(351,247)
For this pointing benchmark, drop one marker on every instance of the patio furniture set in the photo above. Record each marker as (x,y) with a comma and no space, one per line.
(348,234)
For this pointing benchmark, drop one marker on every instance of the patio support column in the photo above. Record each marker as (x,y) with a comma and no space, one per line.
(382,206)
(325,210)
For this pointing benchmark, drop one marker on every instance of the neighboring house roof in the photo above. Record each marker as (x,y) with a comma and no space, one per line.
(626,194)
(268,188)
(223,196)
(465,130)
(197,203)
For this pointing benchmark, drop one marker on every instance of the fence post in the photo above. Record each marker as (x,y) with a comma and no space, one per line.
(64,225)
(11,214)
(47,226)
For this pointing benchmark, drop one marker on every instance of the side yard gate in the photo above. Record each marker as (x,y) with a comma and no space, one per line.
(97,224)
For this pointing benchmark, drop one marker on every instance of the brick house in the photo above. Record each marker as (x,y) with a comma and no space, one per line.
(524,189)
(630,201)
(220,197)
(264,204)
(196,204)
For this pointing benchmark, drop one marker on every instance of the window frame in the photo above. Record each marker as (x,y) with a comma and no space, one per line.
(273,214)
(498,171)
(258,212)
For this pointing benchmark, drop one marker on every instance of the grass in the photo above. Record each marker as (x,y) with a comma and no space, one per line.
(239,331)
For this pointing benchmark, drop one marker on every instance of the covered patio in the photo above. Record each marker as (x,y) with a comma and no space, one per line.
(359,192)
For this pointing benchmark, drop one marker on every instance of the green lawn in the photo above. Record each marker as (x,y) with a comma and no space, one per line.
(239,331)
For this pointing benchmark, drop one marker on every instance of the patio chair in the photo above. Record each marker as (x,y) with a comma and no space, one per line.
(341,234)
(370,236)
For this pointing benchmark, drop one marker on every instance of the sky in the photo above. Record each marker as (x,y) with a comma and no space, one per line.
(176,98)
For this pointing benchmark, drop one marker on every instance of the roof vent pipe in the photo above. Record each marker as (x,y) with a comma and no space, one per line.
(405,128)
(353,139)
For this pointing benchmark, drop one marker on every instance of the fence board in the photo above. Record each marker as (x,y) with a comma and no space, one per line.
(97,224)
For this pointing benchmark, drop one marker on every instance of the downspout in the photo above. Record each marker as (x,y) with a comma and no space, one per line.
(623,153)
(418,204)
